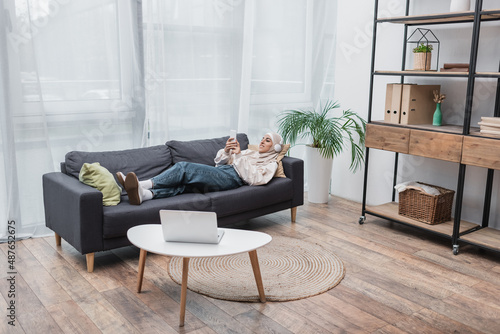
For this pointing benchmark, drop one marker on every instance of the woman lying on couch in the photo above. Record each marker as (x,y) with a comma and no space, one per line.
(233,169)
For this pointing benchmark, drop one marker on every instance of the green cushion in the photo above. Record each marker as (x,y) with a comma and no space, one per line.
(100,178)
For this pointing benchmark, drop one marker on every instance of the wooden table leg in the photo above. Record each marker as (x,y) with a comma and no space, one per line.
(185,269)
(256,272)
(140,271)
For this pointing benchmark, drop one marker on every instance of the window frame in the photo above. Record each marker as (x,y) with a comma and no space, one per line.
(305,95)
(81,108)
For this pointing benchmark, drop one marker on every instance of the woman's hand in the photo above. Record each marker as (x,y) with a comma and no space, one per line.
(232,146)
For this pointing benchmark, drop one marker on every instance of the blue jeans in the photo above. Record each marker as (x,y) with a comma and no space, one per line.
(206,178)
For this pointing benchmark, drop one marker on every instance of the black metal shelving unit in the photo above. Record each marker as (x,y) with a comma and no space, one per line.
(457,231)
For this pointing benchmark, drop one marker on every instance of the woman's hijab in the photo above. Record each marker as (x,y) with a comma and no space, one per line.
(271,155)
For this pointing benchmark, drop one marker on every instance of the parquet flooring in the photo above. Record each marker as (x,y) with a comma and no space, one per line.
(398,280)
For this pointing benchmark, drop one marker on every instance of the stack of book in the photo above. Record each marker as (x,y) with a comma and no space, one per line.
(455,67)
(490,125)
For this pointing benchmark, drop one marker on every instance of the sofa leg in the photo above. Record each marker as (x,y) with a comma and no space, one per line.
(90,262)
(58,239)
(294,214)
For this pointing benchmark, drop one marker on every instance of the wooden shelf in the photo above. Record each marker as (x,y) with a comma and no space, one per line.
(439,74)
(483,135)
(423,73)
(488,74)
(457,17)
(447,128)
(486,237)
(390,211)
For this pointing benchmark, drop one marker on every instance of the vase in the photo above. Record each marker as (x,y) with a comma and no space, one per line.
(438,117)
(422,61)
(460,6)
(319,173)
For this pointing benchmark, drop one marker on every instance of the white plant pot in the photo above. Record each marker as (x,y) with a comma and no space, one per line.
(460,6)
(319,172)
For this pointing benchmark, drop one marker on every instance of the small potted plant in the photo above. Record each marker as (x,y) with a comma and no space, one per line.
(422,57)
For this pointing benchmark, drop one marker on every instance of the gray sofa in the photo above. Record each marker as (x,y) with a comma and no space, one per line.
(74,211)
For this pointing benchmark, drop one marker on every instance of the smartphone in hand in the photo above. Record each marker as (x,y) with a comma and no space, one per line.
(232,134)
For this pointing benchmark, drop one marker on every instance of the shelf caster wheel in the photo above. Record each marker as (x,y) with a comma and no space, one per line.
(455,249)
(362,220)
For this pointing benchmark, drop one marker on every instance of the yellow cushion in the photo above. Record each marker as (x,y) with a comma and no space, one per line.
(100,178)
(280,171)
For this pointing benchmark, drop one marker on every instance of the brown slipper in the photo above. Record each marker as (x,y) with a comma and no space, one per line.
(132,188)
(121,178)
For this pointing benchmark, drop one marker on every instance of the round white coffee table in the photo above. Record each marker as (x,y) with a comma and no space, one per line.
(149,238)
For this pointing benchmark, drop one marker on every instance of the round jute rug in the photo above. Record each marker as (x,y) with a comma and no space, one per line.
(291,269)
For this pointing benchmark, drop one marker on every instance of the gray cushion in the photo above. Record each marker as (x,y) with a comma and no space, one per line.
(202,151)
(247,198)
(118,219)
(145,162)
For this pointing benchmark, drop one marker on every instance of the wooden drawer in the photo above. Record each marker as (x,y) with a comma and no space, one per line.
(482,152)
(389,138)
(437,145)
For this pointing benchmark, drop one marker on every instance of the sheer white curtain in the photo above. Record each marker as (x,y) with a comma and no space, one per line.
(192,67)
(293,59)
(212,66)
(80,75)
(71,80)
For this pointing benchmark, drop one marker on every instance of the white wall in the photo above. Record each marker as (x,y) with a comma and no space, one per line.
(352,90)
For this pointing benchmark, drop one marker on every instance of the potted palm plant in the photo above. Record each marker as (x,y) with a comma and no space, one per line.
(329,136)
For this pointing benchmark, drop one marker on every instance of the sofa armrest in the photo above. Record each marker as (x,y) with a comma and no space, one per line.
(74,211)
(294,169)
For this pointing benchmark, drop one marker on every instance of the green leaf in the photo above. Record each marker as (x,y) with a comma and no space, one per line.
(330,134)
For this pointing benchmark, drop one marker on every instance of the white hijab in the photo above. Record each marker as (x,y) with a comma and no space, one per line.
(271,155)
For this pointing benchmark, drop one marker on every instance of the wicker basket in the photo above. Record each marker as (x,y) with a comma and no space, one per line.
(430,209)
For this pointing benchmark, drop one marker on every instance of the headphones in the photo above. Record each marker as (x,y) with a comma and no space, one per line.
(278,147)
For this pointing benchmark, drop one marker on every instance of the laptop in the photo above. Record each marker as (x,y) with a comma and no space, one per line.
(190,226)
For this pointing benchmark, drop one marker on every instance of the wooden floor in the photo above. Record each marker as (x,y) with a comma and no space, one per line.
(398,280)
